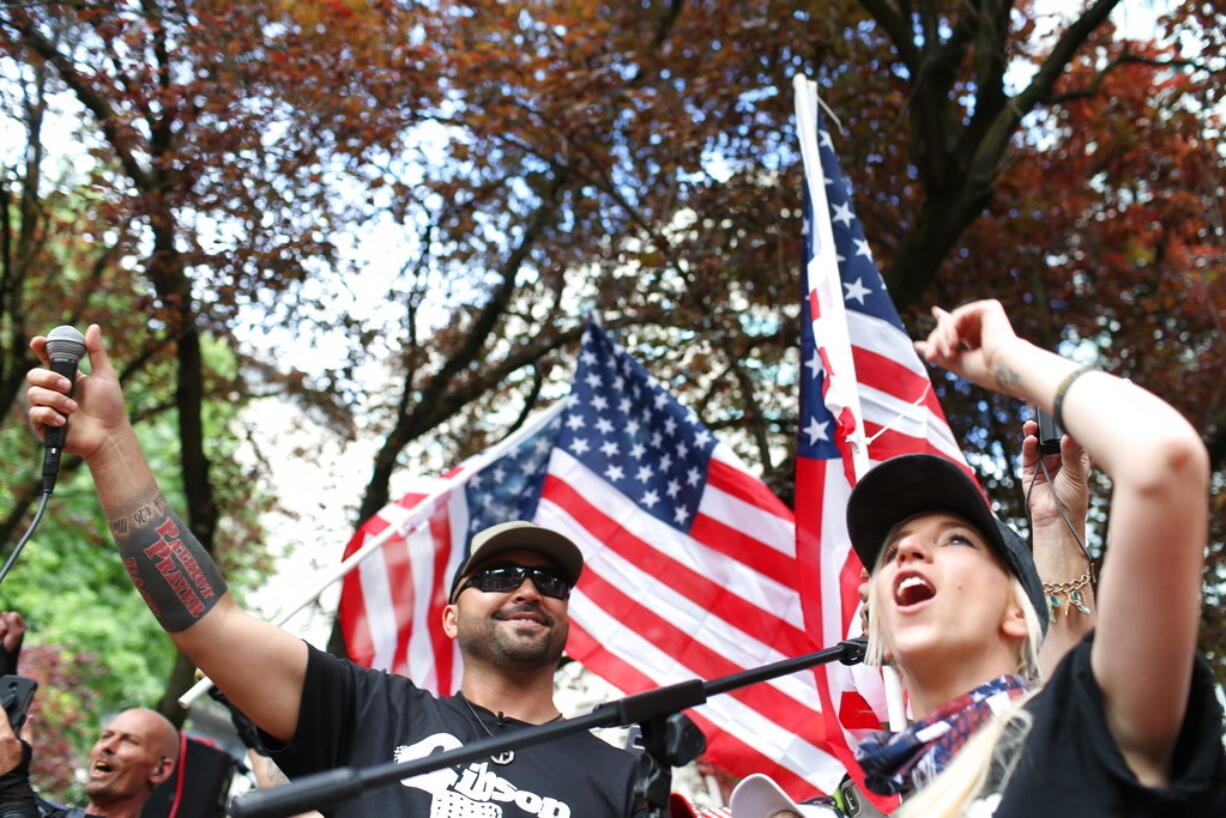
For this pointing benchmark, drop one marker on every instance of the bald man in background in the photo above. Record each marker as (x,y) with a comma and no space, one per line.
(136,751)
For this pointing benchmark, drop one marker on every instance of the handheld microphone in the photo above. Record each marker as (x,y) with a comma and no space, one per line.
(65,346)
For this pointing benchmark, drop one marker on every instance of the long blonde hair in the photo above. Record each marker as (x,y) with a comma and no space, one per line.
(988,757)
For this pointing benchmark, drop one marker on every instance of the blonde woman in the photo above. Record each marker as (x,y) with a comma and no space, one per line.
(1128,723)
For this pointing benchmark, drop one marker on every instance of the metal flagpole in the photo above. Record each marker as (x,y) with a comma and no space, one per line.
(417,517)
(823,274)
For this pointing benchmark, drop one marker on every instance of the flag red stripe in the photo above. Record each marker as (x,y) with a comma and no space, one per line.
(811,478)
(440,531)
(738,545)
(850,581)
(682,646)
(723,748)
(409,500)
(731,480)
(892,443)
(353,610)
(697,588)
(400,586)
(888,375)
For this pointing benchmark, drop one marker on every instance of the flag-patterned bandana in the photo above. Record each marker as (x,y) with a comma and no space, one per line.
(899,762)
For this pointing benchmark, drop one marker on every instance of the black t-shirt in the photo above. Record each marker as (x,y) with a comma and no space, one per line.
(353,716)
(1071,765)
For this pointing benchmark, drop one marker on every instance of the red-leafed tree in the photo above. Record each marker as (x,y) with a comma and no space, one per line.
(523,162)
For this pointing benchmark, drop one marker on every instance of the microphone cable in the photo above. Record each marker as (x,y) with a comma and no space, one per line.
(38,516)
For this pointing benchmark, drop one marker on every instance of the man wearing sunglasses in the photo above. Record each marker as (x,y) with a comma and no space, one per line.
(507,613)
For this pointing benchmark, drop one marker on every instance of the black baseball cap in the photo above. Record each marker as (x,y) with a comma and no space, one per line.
(520,535)
(900,488)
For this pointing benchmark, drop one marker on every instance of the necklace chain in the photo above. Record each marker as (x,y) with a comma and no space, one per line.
(507,756)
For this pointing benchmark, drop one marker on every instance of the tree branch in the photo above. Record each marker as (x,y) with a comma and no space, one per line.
(426,412)
(1126,58)
(898,29)
(108,120)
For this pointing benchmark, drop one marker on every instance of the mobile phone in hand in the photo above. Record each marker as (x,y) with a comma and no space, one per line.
(1050,432)
(16,693)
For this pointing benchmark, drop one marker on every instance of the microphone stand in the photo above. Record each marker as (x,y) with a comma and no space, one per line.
(650,709)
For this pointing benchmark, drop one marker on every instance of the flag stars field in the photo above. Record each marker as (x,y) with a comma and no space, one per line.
(817,430)
(842,214)
(604,386)
(814,364)
(856,290)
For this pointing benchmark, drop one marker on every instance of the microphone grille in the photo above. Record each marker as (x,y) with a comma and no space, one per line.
(65,342)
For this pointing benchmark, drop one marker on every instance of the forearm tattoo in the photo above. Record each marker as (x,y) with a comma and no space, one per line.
(177,578)
(1007,380)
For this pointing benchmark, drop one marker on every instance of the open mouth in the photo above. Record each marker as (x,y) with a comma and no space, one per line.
(101,768)
(912,589)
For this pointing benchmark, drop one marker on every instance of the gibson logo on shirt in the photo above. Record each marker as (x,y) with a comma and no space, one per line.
(474,791)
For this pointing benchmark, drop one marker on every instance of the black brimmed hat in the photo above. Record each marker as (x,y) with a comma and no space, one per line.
(519,535)
(902,487)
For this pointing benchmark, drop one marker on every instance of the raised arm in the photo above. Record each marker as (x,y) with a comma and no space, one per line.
(1057,497)
(1149,591)
(260,667)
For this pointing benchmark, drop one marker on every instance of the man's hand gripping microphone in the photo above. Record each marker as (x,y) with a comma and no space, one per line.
(65,347)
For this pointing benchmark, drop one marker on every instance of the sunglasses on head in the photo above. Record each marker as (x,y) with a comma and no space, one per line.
(507,576)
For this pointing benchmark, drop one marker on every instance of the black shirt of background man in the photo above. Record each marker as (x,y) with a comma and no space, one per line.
(354,716)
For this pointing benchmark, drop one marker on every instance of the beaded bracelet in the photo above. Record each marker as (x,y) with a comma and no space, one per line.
(1055,590)
(1057,409)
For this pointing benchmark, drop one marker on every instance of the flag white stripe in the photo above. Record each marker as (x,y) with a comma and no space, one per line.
(420,655)
(699,623)
(758,523)
(759,590)
(395,514)
(835,548)
(458,522)
(901,416)
(380,614)
(729,714)
(883,338)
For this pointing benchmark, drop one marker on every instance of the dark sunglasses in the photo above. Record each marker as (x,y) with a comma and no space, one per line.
(507,576)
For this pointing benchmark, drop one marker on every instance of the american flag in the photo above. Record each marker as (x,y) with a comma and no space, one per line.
(690,565)
(862,385)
